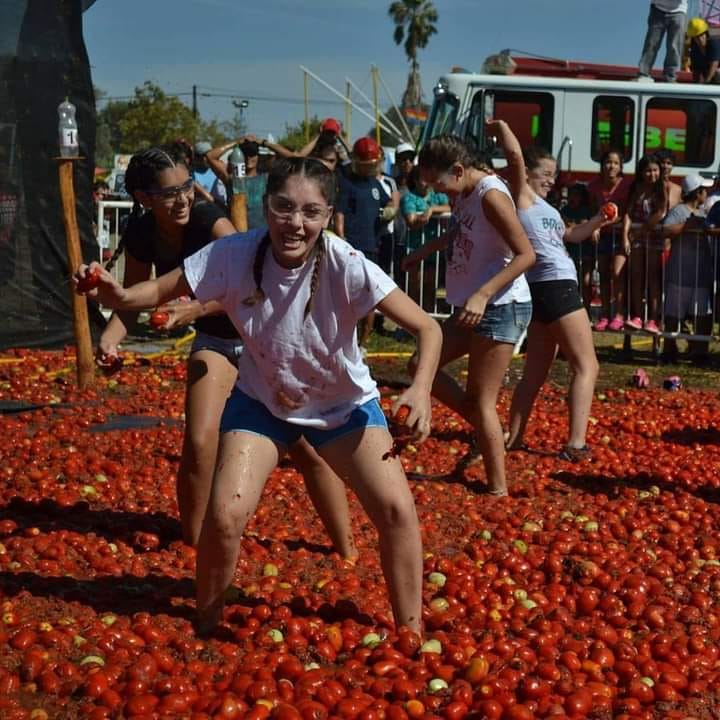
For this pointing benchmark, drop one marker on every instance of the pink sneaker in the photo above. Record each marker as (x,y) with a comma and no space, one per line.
(616,324)
(634,323)
(651,327)
(602,324)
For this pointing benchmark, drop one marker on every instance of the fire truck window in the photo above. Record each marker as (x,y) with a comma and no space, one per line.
(529,114)
(613,126)
(685,127)
(442,116)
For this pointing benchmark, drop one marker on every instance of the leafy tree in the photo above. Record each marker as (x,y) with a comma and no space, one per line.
(154,118)
(294,137)
(108,135)
(415,25)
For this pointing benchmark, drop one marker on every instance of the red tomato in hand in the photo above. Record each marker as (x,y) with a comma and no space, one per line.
(609,211)
(89,282)
(159,319)
(402,414)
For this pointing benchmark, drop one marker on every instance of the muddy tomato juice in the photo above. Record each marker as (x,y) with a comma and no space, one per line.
(592,591)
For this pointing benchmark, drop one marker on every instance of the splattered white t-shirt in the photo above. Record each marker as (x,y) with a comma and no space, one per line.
(308,371)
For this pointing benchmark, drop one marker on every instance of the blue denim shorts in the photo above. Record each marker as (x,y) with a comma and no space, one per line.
(245,414)
(505,323)
(231,348)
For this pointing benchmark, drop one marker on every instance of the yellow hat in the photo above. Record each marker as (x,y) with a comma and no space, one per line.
(696,27)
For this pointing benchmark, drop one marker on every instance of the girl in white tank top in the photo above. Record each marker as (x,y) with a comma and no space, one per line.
(488,252)
(559,318)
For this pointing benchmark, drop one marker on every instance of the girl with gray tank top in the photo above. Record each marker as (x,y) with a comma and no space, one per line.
(559,318)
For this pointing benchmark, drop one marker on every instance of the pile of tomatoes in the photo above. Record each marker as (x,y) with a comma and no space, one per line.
(591,592)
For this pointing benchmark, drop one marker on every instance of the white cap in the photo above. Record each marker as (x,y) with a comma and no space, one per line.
(693,182)
(404,148)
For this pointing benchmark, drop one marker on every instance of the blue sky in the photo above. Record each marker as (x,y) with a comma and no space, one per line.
(253,48)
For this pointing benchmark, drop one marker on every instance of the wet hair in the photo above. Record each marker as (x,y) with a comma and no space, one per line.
(534,155)
(441,153)
(141,175)
(281,171)
(606,155)
(658,187)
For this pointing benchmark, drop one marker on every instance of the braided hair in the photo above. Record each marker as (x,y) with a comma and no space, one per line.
(141,174)
(282,169)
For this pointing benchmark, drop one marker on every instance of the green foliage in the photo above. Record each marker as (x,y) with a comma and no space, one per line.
(295,137)
(414,23)
(151,118)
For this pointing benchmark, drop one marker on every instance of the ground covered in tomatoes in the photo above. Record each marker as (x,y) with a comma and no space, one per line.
(592,591)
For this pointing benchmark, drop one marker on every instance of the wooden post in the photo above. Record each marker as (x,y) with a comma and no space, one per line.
(81,325)
(238,211)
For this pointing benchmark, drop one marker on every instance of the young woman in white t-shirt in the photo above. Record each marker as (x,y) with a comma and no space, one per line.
(559,318)
(295,294)
(488,252)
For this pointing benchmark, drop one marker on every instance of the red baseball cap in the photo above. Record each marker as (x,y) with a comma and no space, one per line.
(331,125)
(366,150)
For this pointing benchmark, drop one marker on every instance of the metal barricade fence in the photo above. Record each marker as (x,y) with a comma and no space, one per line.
(670,288)
(111,218)
(656,279)
(659,286)
(425,283)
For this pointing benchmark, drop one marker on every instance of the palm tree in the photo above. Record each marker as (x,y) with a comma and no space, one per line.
(415,24)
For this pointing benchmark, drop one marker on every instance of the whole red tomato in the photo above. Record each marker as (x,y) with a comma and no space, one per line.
(159,319)
(609,211)
(89,281)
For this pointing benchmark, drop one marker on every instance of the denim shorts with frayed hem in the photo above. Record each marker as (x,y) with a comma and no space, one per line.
(504,323)
(245,414)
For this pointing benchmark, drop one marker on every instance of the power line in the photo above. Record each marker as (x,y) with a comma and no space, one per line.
(230,95)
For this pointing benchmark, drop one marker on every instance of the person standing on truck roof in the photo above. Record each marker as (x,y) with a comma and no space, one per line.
(704,52)
(666,17)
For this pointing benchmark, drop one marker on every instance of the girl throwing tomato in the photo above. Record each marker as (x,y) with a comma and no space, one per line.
(559,318)
(296,293)
(173,227)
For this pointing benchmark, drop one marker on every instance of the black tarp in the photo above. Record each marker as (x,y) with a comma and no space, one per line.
(42,60)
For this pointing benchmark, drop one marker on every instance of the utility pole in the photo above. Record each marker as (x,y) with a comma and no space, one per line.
(376,102)
(194,106)
(241,105)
